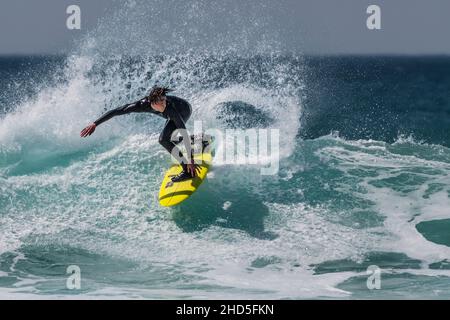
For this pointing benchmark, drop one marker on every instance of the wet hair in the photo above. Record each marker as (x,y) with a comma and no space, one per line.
(157,93)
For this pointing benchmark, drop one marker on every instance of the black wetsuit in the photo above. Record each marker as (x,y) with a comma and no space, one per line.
(177,113)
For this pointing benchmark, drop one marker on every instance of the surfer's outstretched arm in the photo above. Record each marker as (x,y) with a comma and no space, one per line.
(137,106)
(128,108)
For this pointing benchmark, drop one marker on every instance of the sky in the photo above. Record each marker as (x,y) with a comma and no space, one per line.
(310,26)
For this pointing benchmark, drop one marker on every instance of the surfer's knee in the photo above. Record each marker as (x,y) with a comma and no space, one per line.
(165,142)
(162,141)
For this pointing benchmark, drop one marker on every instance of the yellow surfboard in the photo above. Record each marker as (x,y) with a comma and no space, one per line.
(171,194)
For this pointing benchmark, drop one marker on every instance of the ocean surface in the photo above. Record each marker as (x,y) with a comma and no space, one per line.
(364,177)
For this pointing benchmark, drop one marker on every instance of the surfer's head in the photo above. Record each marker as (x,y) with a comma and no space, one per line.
(157,98)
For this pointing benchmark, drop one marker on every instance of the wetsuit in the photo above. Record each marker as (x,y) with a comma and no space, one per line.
(177,113)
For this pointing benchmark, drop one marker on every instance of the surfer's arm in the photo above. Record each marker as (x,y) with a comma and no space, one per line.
(137,106)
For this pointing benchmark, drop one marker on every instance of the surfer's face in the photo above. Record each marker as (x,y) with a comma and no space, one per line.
(160,105)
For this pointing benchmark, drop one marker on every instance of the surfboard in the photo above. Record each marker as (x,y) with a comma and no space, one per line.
(173,193)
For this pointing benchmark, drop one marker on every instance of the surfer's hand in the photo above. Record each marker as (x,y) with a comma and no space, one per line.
(193,169)
(88,130)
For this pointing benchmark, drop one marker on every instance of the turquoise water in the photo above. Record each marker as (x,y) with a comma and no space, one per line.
(364,177)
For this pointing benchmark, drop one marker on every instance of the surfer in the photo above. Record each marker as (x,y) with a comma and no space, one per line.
(177,112)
